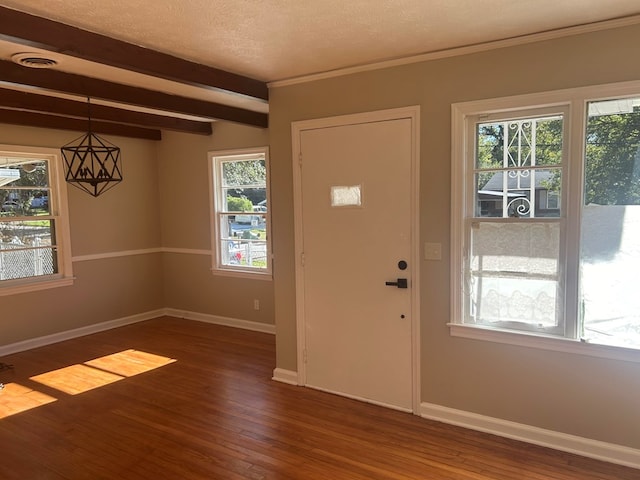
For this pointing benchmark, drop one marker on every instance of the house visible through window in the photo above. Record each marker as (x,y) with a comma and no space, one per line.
(546,218)
(240,217)
(34,239)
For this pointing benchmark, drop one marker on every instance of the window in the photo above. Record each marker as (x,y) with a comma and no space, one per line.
(513,267)
(240,215)
(34,233)
(610,237)
(546,217)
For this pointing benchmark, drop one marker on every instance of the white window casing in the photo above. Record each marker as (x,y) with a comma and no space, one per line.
(34,256)
(470,216)
(240,213)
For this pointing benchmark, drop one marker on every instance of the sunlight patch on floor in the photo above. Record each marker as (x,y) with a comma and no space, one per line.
(16,398)
(76,379)
(101,371)
(130,362)
(79,378)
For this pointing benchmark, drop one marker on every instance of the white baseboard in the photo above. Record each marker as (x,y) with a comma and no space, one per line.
(285,376)
(218,320)
(121,322)
(608,452)
(77,332)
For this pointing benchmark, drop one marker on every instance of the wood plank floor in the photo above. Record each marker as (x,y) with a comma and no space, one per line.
(183,400)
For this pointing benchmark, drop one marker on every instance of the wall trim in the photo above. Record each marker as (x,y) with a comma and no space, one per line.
(586,447)
(143,251)
(218,320)
(122,253)
(77,332)
(464,50)
(285,376)
(189,251)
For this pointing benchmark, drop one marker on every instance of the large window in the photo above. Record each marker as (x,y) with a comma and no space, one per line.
(34,233)
(240,214)
(546,217)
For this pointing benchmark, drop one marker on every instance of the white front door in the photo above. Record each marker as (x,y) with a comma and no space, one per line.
(356,218)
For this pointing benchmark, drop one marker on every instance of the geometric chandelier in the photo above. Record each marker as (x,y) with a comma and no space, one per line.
(91,163)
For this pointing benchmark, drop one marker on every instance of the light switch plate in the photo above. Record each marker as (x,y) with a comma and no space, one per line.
(433,251)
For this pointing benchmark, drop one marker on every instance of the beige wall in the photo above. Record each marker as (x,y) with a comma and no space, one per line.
(125,218)
(163,201)
(584,396)
(184,203)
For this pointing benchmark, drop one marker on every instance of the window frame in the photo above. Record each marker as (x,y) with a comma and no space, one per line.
(59,212)
(575,102)
(215,193)
(471,219)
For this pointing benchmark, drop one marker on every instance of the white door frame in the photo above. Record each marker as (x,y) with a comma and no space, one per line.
(412,113)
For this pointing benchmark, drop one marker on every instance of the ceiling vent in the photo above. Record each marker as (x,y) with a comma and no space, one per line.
(34,60)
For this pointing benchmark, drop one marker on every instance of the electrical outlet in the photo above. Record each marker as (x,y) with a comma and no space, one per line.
(433,251)
(256,304)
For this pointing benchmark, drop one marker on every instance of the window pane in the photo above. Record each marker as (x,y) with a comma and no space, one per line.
(509,193)
(24,187)
(243,240)
(28,232)
(244,253)
(610,241)
(490,145)
(16,263)
(26,249)
(513,275)
(245,199)
(612,165)
(24,173)
(519,143)
(508,179)
(244,173)
(24,202)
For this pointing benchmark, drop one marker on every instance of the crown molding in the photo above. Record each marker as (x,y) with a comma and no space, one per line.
(464,50)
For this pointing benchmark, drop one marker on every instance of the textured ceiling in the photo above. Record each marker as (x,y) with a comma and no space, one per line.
(281,39)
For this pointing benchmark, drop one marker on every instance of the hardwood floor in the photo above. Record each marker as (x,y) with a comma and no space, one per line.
(183,400)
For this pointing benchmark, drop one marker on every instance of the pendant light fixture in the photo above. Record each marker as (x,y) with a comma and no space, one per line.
(92,164)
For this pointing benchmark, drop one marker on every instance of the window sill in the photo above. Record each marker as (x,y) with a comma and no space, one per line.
(544,342)
(243,274)
(35,285)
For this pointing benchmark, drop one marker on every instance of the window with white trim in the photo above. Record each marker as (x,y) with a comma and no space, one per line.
(240,212)
(546,216)
(35,251)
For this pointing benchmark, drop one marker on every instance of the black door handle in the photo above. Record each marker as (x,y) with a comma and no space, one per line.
(400,283)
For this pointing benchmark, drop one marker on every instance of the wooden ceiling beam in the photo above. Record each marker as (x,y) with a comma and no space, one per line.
(15,99)
(32,119)
(30,30)
(102,89)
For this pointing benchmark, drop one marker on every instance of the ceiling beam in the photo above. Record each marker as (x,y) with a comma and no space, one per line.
(32,119)
(30,30)
(102,89)
(59,106)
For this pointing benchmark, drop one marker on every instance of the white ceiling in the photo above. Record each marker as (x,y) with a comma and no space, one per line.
(275,40)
